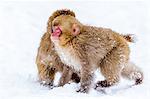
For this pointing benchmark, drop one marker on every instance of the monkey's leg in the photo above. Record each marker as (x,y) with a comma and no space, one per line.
(46,74)
(132,72)
(111,66)
(66,76)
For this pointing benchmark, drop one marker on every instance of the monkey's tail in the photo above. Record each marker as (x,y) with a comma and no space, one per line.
(129,37)
(132,72)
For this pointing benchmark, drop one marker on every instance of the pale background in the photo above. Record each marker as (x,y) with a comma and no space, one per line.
(23,23)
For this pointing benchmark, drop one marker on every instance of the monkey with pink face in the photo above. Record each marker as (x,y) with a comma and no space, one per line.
(49,63)
(87,48)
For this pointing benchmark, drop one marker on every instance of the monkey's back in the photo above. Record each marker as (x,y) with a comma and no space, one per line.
(98,42)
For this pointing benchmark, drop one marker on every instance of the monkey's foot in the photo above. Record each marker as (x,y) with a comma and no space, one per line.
(83,90)
(47,83)
(138,81)
(102,84)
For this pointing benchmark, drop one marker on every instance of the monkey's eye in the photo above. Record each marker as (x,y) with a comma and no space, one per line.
(56,23)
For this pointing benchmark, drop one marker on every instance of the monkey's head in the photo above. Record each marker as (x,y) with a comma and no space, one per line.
(65,28)
(56,14)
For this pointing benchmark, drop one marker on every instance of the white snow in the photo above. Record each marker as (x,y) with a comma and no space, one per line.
(23,23)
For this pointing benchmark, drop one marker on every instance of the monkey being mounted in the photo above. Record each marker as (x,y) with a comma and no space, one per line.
(86,48)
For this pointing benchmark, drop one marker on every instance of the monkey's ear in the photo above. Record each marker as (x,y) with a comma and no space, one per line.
(75,29)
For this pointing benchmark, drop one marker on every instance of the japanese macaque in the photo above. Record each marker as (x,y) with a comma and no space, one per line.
(48,62)
(87,48)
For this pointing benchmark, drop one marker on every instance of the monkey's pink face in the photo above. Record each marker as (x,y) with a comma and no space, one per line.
(64,29)
(57,31)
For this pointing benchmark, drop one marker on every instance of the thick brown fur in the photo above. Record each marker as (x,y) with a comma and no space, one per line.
(47,60)
(86,48)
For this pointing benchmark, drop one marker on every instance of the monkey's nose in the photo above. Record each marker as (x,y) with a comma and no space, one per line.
(57,31)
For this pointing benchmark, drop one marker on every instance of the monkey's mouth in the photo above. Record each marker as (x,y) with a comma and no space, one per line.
(56,32)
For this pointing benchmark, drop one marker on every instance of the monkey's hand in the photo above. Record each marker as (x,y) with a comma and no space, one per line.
(47,82)
(102,84)
(83,89)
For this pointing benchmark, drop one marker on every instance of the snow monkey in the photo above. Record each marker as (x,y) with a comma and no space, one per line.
(48,62)
(87,48)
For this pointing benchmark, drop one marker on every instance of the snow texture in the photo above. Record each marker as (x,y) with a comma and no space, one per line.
(23,23)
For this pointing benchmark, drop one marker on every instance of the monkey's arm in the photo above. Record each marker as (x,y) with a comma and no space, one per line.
(86,71)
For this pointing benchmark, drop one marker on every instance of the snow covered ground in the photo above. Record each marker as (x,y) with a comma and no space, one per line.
(23,23)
